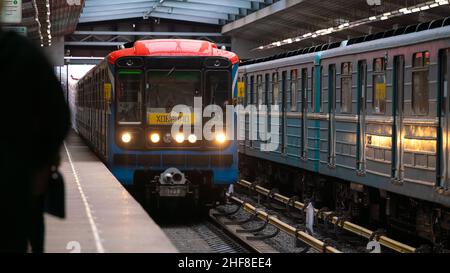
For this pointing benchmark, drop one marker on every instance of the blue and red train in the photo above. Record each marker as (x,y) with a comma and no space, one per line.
(123,112)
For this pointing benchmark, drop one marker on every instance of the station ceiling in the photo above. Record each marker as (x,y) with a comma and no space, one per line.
(216,12)
(47,19)
(287,20)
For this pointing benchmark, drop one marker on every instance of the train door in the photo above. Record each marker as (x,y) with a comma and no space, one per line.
(397,130)
(332,111)
(443,167)
(304,102)
(361,129)
(284,84)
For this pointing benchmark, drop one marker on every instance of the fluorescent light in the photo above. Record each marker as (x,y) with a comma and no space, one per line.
(381,17)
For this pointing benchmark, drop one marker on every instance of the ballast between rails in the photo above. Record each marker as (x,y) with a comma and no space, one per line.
(326,216)
(272,220)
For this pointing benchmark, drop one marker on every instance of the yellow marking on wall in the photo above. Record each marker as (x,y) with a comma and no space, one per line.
(241,90)
(107,87)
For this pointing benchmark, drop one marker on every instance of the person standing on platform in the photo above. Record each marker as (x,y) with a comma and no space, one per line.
(35,120)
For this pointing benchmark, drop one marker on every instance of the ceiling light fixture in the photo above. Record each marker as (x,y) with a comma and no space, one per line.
(348,25)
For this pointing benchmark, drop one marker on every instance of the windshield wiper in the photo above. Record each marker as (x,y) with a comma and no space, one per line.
(171,71)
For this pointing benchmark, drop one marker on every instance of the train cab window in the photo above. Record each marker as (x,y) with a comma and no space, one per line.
(129,92)
(275,88)
(218,88)
(421,61)
(294,89)
(379,86)
(259,88)
(167,89)
(346,87)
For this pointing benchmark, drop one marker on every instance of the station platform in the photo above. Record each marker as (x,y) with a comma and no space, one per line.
(101,216)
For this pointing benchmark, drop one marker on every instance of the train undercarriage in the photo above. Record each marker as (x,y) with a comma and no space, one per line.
(388,212)
(173,188)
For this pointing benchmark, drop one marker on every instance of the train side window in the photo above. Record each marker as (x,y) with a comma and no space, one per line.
(294,91)
(250,90)
(312,89)
(275,88)
(304,86)
(266,88)
(259,88)
(379,85)
(420,89)
(320,91)
(332,86)
(346,87)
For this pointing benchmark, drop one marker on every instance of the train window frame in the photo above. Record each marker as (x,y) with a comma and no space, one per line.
(294,89)
(346,106)
(420,68)
(203,86)
(251,89)
(312,90)
(332,86)
(379,72)
(266,88)
(140,97)
(304,87)
(320,92)
(275,83)
(259,89)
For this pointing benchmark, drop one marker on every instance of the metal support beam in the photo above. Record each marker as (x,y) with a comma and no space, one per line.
(144,33)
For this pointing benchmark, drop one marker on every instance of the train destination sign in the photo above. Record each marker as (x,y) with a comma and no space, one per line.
(11,13)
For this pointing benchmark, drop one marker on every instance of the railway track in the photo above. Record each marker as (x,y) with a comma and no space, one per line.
(202,236)
(328,217)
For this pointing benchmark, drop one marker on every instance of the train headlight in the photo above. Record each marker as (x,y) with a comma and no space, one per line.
(220,138)
(155,137)
(192,138)
(179,138)
(126,137)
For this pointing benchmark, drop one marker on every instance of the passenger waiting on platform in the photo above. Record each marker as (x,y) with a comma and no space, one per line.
(35,121)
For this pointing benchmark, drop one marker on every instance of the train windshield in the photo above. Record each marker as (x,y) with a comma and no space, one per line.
(129,90)
(217,89)
(168,88)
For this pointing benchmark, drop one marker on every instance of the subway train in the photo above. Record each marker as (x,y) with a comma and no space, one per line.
(363,127)
(123,111)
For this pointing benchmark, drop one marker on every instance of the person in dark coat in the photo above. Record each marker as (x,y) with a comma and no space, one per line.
(35,120)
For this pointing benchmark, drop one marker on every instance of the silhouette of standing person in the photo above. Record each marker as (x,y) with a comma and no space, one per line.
(35,121)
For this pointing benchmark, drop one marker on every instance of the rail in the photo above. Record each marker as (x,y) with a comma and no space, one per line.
(272,220)
(328,216)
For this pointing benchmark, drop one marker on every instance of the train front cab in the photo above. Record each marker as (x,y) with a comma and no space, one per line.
(143,151)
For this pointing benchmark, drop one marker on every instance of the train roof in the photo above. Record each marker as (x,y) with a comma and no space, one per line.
(172,47)
(439,23)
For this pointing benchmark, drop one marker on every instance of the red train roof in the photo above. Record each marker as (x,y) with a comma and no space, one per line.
(172,47)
